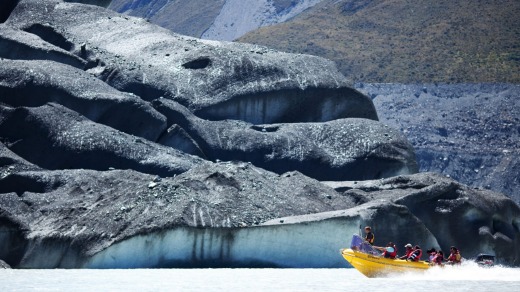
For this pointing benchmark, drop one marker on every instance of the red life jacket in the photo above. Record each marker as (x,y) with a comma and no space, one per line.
(416,255)
(438,259)
(454,257)
(391,255)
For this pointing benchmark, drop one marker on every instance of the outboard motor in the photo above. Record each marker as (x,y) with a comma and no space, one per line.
(485,260)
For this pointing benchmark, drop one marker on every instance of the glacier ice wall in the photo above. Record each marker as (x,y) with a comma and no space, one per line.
(308,241)
(314,245)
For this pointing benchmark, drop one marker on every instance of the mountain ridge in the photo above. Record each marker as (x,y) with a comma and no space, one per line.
(216,20)
(404,41)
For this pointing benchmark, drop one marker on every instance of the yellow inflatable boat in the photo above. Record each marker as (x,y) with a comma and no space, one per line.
(368,261)
(374,266)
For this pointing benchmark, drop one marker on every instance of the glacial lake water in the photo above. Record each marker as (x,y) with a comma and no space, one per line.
(467,278)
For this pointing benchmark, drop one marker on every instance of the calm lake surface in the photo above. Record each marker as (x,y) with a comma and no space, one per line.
(467,278)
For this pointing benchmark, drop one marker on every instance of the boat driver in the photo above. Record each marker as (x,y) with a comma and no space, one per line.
(369,236)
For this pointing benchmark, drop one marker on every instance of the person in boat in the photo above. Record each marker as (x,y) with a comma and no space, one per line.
(431,254)
(408,252)
(390,251)
(369,236)
(438,258)
(415,256)
(455,256)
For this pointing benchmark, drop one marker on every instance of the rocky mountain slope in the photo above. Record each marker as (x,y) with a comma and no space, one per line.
(191,18)
(120,138)
(399,41)
(470,132)
(216,20)
(406,41)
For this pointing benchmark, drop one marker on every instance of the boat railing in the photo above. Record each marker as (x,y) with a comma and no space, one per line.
(359,244)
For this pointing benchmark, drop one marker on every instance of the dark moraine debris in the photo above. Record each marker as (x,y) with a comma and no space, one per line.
(10,162)
(217,80)
(101,3)
(54,137)
(453,135)
(7,7)
(199,63)
(4,265)
(78,214)
(35,83)
(21,45)
(344,149)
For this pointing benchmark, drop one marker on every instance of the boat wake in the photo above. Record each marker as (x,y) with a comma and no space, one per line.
(467,271)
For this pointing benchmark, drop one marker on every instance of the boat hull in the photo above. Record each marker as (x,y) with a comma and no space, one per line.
(375,266)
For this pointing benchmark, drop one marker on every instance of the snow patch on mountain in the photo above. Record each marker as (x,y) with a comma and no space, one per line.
(238,17)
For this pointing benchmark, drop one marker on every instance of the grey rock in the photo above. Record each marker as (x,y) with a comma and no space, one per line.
(64,218)
(7,9)
(101,3)
(54,137)
(21,45)
(470,132)
(4,265)
(176,137)
(35,83)
(345,149)
(10,162)
(216,80)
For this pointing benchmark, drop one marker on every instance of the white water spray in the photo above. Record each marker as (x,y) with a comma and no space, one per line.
(467,271)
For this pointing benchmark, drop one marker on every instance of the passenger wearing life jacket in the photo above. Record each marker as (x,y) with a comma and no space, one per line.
(369,237)
(431,254)
(438,258)
(408,253)
(390,251)
(455,256)
(416,254)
